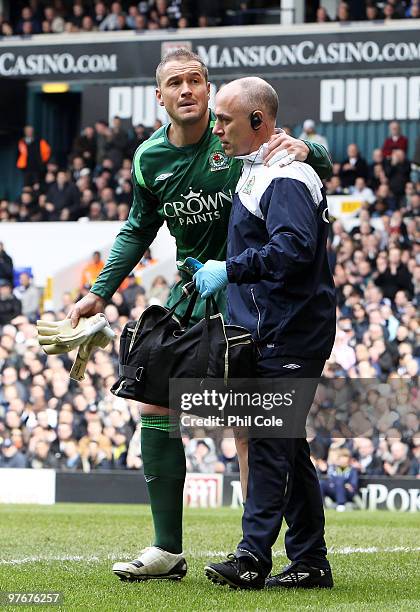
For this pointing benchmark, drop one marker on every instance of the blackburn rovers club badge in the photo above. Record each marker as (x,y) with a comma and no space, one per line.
(218,161)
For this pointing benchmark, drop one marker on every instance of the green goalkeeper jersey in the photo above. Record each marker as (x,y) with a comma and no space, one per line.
(190,188)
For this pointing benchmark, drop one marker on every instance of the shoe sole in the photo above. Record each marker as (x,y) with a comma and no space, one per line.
(217,578)
(314,586)
(127,577)
(299,586)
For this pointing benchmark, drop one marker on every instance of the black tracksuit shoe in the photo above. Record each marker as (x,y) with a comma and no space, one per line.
(301,576)
(237,573)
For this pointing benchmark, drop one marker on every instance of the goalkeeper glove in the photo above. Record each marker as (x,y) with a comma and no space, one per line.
(58,337)
(99,340)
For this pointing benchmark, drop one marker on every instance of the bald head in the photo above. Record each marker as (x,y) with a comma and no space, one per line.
(254,94)
(246,111)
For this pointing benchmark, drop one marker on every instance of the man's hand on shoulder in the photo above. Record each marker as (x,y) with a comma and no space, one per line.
(283,149)
(89,305)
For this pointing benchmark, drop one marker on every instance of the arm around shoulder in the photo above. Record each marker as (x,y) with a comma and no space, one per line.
(319,159)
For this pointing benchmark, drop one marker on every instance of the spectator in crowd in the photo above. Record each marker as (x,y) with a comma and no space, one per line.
(28,19)
(390,12)
(87,24)
(102,137)
(42,457)
(117,142)
(182,23)
(132,290)
(28,295)
(10,306)
(157,124)
(342,482)
(132,14)
(322,15)
(95,458)
(64,435)
(140,23)
(361,191)
(343,13)
(147,259)
(85,146)
(309,133)
(33,155)
(376,168)
(95,211)
(6,265)
(71,460)
(397,462)
(395,276)
(111,21)
(76,18)
(365,460)
(91,271)
(397,169)
(162,14)
(100,454)
(415,462)
(10,456)
(159,289)
(100,13)
(353,166)
(119,449)
(372,12)
(201,456)
(385,202)
(227,460)
(395,140)
(63,198)
(140,136)
(55,22)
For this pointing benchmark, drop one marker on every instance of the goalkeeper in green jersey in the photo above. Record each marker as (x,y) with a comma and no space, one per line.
(182,176)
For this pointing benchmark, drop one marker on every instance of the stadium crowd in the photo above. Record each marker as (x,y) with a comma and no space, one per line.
(57,16)
(47,420)
(96,184)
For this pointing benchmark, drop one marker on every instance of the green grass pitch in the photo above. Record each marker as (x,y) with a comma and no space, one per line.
(70,548)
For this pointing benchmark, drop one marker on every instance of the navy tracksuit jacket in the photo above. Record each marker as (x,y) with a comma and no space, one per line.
(280,283)
(281,289)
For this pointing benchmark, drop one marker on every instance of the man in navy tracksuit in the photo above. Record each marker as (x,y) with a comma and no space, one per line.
(280,287)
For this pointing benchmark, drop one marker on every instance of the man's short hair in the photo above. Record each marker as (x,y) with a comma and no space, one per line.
(177,55)
(259,95)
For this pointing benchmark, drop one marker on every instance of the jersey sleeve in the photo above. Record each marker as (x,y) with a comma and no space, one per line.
(319,159)
(135,236)
(292,232)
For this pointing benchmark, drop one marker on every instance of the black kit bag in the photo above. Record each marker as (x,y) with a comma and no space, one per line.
(159,346)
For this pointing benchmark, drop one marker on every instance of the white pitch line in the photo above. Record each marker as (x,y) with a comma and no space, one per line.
(347,550)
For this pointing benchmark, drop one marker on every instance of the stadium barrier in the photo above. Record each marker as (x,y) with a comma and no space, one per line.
(400,494)
(64,249)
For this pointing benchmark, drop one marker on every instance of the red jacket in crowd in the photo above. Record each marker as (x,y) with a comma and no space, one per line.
(391,143)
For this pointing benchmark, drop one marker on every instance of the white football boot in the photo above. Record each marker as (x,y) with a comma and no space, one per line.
(152,564)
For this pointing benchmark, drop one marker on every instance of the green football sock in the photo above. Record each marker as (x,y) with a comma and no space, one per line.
(164,471)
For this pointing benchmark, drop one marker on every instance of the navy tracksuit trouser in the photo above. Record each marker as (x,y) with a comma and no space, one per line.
(283,483)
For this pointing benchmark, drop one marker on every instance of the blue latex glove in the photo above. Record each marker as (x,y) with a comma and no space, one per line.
(210,278)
